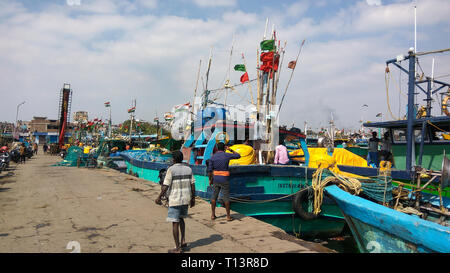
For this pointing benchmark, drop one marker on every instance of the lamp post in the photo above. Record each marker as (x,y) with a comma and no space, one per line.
(17,115)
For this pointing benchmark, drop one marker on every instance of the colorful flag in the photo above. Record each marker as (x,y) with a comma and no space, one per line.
(292,64)
(107,104)
(182,107)
(269,63)
(244,77)
(267,56)
(131,110)
(268,45)
(239,67)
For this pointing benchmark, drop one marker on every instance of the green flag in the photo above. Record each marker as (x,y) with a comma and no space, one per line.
(239,67)
(268,45)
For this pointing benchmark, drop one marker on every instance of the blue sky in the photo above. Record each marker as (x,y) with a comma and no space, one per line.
(117,50)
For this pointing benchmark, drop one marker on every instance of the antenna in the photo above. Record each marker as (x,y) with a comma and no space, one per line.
(415,27)
(265,29)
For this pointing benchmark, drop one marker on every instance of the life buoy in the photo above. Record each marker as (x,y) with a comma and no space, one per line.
(444,105)
(301,199)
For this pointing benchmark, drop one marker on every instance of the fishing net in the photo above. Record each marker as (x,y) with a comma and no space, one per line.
(155,155)
(73,154)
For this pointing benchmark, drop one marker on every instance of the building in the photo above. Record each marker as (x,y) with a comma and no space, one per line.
(80,117)
(47,130)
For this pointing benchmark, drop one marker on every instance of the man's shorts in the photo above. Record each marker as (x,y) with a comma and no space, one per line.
(225,188)
(175,213)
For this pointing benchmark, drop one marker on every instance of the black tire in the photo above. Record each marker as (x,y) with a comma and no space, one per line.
(300,199)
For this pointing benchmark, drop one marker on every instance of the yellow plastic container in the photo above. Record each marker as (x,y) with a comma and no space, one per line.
(87,149)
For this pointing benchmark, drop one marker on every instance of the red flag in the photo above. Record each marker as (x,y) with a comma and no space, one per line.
(270,61)
(244,77)
(266,56)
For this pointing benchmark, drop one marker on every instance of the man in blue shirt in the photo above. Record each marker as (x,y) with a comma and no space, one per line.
(219,177)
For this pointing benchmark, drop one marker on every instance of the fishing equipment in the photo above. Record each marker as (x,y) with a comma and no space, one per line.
(248,156)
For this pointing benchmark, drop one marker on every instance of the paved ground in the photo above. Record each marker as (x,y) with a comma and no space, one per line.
(44,208)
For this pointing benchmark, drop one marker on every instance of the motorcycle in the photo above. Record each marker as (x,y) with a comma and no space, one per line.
(15,155)
(63,154)
(29,152)
(4,161)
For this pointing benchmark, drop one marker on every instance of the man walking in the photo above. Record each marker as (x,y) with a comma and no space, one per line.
(219,177)
(180,184)
(22,151)
(35,148)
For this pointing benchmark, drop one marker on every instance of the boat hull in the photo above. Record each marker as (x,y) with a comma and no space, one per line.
(260,192)
(380,229)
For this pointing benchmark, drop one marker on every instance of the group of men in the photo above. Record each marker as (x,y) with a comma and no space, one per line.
(384,154)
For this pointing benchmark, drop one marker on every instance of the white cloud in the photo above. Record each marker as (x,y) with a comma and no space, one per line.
(374,2)
(108,53)
(215,3)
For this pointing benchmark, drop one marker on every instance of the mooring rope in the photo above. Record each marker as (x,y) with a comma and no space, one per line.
(351,185)
(238,200)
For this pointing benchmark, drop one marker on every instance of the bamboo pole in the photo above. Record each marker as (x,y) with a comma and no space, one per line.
(195,90)
(258,75)
(279,68)
(290,78)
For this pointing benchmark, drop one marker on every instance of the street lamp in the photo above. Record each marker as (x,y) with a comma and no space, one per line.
(17,115)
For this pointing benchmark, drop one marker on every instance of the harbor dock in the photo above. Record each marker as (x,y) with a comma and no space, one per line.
(47,208)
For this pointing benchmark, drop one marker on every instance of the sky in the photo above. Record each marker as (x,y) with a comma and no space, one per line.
(151,51)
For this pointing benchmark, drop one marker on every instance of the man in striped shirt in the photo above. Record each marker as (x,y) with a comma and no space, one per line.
(180,184)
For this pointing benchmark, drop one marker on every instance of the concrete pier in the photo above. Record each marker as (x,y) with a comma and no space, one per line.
(45,208)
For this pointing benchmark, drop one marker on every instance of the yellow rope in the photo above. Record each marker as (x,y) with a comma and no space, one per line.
(436,126)
(386,80)
(351,185)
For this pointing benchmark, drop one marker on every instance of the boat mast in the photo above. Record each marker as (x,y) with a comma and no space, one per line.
(227,82)
(206,92)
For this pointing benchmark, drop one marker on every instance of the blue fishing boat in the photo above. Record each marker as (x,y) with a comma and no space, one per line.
(380,229)
(276,194)
(414,219)
(414,142)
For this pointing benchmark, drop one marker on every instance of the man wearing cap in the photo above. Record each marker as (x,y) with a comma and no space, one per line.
(219,177)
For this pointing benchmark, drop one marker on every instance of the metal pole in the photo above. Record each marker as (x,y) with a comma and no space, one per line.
(410,122)
(110,122)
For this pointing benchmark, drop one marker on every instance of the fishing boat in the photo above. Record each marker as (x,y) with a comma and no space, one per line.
(416,219)
(273,193)
(380,229)
(414,140)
